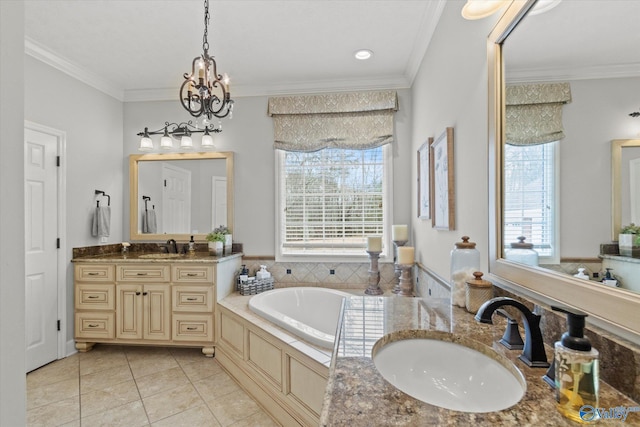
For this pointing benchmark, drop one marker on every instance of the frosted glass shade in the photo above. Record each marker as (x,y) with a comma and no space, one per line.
(146,144)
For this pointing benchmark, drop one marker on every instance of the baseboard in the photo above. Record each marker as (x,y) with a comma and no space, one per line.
(70,348)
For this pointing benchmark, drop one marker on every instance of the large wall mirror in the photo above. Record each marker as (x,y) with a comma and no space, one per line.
(178,195)
(592,46)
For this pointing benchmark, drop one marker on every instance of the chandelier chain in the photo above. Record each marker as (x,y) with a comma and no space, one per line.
(205,38)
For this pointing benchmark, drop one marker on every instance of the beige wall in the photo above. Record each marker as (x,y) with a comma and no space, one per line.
(12,268)
(450,89)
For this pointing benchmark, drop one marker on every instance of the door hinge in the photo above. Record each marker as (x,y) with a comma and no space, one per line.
(58,243)
(58,324)
(58,161)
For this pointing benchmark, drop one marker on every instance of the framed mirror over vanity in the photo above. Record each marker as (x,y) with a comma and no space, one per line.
(592,47)
(189,194)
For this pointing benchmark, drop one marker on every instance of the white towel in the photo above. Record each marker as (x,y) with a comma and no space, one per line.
(149,224)
(101,221)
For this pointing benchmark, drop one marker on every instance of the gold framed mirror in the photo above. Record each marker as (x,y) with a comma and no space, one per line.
(178,195)
(624,154)
(614,309)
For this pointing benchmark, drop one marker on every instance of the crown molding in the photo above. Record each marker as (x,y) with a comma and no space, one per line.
(554,74)
(423,39)
(41,53)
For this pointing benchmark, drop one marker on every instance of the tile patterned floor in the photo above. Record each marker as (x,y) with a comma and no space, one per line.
(139,386)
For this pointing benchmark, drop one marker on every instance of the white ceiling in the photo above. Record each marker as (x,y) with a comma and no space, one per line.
(140,49)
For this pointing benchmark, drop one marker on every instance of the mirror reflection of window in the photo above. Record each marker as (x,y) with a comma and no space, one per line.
(530,189)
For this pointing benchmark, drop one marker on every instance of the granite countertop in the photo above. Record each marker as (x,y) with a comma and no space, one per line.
(357,394)
(146,257)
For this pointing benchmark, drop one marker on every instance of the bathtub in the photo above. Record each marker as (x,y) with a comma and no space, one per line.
(310,313)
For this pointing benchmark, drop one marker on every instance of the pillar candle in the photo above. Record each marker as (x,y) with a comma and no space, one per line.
(405,255)
(374,244)
(400,232)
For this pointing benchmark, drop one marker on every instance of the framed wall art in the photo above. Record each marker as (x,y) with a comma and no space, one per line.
(424,191)
(442,181)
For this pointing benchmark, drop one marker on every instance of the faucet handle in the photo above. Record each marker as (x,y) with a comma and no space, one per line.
(511,337)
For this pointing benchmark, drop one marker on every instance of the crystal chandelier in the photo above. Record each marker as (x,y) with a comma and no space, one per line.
(204,92)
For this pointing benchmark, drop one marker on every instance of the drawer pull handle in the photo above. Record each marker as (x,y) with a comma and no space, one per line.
(192,274)
(92,325)
(93,273)
(141,274)
(92,296)
(192,299)
(191,328)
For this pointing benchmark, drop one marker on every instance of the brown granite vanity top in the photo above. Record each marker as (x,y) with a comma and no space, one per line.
(357,395)
(146,257)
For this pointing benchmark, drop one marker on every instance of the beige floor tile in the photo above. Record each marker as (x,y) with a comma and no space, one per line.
(100,361)
(201,369)
(187,355)
(60,370)
(198,416)
(151,365)
(105,378)
(43,395)
(74,423)
(143,352)
(215,387)
(233,407)
(128,415)
(161,381)
(171,402)
(54,414)
(108,398)
(258,419)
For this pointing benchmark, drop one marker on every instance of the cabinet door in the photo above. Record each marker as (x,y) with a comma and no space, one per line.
(157,312)
(129,315)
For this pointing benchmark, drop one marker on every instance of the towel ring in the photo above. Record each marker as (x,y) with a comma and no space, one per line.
(104,194)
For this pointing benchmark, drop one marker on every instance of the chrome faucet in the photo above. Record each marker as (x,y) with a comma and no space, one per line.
(533,353)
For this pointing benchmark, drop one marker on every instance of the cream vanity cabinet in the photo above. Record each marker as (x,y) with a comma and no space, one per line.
(154,303)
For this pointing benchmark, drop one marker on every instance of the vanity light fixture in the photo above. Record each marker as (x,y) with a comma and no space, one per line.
(179,131)
(478,9)
(204,92)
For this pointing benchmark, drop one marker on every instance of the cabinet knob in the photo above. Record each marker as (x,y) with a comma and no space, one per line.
(145,293)
(138,293)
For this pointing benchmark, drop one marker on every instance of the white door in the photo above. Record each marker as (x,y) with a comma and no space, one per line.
(41,258)
(176,199)
(219,198)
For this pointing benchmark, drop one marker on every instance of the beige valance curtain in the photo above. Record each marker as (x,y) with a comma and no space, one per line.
(534,112)
(358,120)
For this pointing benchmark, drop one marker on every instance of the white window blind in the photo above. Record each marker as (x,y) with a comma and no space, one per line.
(530,207)
(332,199)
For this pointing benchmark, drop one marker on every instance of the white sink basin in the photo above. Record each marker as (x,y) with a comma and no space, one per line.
(448,371)
(159,255)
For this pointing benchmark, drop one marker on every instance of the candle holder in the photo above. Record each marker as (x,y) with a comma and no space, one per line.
(397,269)
(406,281)
(374,275)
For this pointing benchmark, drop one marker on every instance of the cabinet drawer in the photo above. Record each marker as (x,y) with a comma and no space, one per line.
(94,272)
(95,325)
(192,327)
(95,297)
(192,298)
(192,273)
(143,273)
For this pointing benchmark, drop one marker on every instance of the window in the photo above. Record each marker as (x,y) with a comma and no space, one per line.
(332,199)
(530,204)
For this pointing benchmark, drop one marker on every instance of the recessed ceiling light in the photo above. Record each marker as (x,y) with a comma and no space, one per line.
(363,54)
(477,9)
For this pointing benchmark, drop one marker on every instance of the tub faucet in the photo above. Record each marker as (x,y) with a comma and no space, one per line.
(533,353)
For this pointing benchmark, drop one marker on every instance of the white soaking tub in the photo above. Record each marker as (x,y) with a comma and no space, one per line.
(310,313)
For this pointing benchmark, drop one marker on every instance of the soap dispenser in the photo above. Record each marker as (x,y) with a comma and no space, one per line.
(576,371)
(192,247)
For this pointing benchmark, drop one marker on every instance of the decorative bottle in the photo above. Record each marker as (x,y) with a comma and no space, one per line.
(465,260)
(522,252)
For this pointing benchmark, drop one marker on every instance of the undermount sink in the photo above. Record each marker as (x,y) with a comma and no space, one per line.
(159,255)
(448,371)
